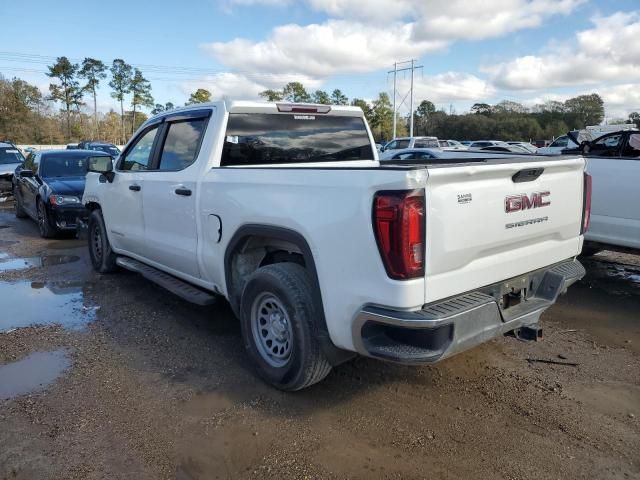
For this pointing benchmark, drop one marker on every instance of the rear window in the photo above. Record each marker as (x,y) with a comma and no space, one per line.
(60,165)
(267,139)
(10,155)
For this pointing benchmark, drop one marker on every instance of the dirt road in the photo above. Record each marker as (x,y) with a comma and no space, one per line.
(121,380)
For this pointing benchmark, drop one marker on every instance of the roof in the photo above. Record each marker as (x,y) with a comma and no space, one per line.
(75,152)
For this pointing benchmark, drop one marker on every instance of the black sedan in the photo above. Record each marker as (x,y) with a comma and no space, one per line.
(49,187)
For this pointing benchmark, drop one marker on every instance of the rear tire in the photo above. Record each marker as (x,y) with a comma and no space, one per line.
(278,319)
(102,256)
(44,224)
(17,205)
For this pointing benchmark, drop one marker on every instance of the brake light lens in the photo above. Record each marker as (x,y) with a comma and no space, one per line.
(398,218)
(586,205)
(302,108)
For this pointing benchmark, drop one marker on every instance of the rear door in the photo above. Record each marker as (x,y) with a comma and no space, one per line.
(615,215)
(169,196)
(491,222)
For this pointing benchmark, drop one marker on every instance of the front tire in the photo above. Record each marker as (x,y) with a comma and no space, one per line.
(102,256)
(44,224)
(277,316)
(17,205)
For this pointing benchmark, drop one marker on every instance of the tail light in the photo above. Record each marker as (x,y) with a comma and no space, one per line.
(398,221)
(586,205)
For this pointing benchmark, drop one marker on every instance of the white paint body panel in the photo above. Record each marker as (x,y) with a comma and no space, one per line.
(467,246)
(615,201)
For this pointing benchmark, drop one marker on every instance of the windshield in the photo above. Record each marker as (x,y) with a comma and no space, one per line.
(61,165)
(10,155)
(110,149)
(263,138)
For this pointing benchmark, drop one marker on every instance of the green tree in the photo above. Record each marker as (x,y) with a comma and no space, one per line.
(199,96)
(159,108)
(272,95)
(68,89)
(140,94)
(296,93)
(121,73)
(366,108)
(421,117)
(93,71)
(338,98)
(481,108)
(321,97)
(584,110)
(382,117)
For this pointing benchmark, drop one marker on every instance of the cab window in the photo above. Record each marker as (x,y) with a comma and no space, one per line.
(138,157)
(181,145)
(562,141)
(632,148)
(608,146)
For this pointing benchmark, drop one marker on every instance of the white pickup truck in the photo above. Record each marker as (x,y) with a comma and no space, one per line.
(322,252)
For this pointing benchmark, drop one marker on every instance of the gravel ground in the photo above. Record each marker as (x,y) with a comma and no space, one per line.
(123,380)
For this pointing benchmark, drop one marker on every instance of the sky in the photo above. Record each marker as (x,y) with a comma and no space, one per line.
(528,51)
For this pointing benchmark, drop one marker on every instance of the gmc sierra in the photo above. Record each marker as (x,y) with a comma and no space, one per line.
(321,251)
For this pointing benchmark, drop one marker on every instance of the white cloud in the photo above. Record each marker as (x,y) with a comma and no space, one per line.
(476,20)
(607,52)
(322,50)
(448,87)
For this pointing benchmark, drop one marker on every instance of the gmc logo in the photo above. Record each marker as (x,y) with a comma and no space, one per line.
(517,203)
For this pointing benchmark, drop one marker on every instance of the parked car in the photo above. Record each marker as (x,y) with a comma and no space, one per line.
(109,148)
(526,145)
(72,146)
(557,146)
(505,148)
(487,143)
(322,252)
(49,186)
(451,145)
(434,155)
(613,161)
(10,159)
(411,142)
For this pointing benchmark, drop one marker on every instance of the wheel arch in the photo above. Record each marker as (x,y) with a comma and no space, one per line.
(280,237)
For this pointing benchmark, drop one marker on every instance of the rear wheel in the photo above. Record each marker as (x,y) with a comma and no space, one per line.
(277,315)
(17,205)
(44,223)
(103,258)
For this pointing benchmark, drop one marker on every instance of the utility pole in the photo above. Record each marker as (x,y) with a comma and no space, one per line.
(395,75)
(395,71)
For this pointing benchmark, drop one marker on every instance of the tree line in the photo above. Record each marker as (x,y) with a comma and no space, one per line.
(28,116)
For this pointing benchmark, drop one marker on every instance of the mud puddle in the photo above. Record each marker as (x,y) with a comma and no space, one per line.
(31,374)
(9,264)
(40,303)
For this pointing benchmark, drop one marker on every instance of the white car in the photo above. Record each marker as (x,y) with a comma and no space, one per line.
(556,147)
(613,161)
(452,145)
(525,145)
(10,159)
(323,252)
(411,142)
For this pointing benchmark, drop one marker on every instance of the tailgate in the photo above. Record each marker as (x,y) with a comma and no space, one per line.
(483,227)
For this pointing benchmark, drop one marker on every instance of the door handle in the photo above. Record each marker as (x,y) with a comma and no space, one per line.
(135,188)
(183,191)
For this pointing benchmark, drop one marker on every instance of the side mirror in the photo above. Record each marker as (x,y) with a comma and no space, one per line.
(25,173)
(102,165)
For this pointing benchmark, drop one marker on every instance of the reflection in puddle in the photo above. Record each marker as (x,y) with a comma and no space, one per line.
(29,262)
(32,373)
(39,303)
(3,255)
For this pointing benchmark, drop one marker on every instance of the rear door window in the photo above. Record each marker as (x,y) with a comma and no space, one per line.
(272,139)
(182,144)
(608,146)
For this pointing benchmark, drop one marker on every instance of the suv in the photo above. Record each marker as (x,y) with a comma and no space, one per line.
(411,142)
(285,211)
